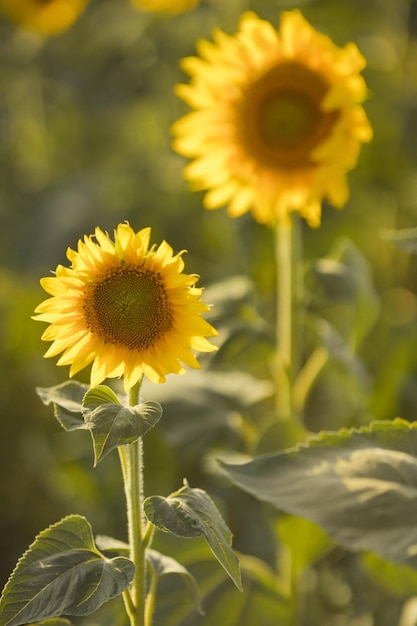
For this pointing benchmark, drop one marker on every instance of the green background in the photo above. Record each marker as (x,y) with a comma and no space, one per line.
(85,141)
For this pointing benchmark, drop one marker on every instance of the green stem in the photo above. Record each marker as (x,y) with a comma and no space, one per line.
(150,599)
(284,263)
(131,458)
(308,376)
(148,534)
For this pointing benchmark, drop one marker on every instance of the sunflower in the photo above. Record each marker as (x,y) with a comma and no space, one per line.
(124,307)
(48,17)
(277,121)
(165,6)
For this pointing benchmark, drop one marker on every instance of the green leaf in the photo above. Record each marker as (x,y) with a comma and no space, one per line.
(67,399)
(191,513)
(111,424)
(343,288)
(264,601)
(395,578)
(160,564)
(96,396)
(337,348)
(306,541)
(109,544)
(359,485)
(55,621)
(405,238)
(204,411)
(163,565)
(62,573)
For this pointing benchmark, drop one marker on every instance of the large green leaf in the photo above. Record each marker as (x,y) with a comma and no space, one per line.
(62,573)
(192,513)
(359,485)
(54,621)
(111,424)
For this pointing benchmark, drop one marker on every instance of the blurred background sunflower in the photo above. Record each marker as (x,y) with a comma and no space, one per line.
(165,6)
(277,122)
(48,17)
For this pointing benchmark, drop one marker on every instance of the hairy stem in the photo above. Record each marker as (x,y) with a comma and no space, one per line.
(131,458)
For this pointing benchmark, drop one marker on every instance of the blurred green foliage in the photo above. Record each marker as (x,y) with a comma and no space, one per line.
(85,141)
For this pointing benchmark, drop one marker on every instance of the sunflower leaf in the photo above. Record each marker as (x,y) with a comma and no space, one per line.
(163,565)
(54,621)
(111,424)
(265,601)
(96,396)
(404,238)
(67,399)
(359,485)
(62,573)
(109,544)
(192,513)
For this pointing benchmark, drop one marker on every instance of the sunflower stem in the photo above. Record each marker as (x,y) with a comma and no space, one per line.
(131,458)
(308,376)
(284,320)
(150,599)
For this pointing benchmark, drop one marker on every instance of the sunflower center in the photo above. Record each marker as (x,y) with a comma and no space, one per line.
(129,308)
(282,119)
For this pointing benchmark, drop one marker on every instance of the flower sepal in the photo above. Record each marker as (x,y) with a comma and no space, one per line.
(99,410)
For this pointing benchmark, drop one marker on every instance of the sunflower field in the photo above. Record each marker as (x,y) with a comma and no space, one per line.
(208,226)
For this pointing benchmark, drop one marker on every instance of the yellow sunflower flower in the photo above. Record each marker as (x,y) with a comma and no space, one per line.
(124,307)
(165,6)
(277,121)
(49,17)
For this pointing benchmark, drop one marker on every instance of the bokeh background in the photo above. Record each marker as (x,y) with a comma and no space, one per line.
(84,141)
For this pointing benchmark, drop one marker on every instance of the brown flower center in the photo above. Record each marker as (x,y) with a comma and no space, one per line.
(281,119)
(128,307)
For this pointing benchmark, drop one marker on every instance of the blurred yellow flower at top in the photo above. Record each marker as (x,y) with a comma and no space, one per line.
(277,121)
(165,6)
(126,308)
(49,17)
